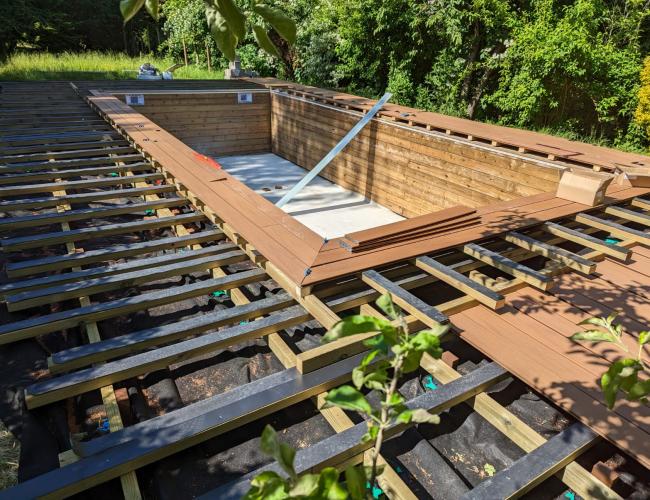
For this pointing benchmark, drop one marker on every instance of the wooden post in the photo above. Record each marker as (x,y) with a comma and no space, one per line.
(184,52)
(207,53)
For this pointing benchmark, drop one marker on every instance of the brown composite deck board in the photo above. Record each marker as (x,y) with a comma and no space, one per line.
(297,251)
(536,327)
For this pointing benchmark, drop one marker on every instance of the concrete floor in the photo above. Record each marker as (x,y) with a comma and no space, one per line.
(326,208)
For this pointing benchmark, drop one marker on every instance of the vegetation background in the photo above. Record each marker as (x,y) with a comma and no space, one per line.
(569,67)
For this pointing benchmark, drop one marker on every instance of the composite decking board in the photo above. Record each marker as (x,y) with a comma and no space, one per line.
(584,366)
(344,445)
(559,376)
(88,287)
(54,238)
(12,223)
(18,330)
(70,163)
(538,465)
(97,272)
(53,201)
(62,174)
(82,381)
(244,404)
(334,263)
(57,262)
(408,225)
(105,350)
(73,185)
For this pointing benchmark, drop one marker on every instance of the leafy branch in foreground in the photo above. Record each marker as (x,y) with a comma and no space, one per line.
(228,23)
(393,353)
(622,375)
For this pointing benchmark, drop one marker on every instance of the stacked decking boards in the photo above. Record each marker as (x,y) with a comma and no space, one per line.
(424,226)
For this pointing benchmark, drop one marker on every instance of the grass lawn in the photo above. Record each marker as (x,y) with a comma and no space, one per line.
(91,66)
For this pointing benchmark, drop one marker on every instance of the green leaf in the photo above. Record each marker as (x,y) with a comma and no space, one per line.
(644,337)
(263,40)
(639,390)
(348,398)
(306,486)
(353,325)
(368,359)
(355,478)
(358,376)
(281,23)
(130,8)
(610,384)
(328,485)
(388,307)
(404,417)
(281,452)
(234,17)
(265,486)
(269,443)
(426,341)
(153,8)
(412,361)
(594,336)
(371,434)
(421,416)
(224,38)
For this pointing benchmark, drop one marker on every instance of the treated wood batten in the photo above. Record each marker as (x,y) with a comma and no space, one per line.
(213,124)
(408,171)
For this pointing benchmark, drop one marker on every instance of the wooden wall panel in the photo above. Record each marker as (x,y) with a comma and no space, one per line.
(213,124)
(408,171)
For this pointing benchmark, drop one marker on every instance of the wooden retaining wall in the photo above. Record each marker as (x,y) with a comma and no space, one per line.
(409,171)
(213,123)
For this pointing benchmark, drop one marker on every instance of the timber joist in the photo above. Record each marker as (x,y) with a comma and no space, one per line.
(151,241)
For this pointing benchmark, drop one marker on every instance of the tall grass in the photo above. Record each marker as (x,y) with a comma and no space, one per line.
(9,455)
(91,66)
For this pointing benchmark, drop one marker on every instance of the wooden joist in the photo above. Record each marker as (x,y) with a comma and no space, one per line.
(71,163)
(343,445)
(80,153)
(70,199)
(627,214)
(58,262)
(536,466)
(614,228)
(79,382)
(9,141)
(80,172)
(72,185)
(60,147)
(13,223)
(130,343)
(426,313)
(509,266)
(641,203)
(141,264)
(588,241)
(54,238)
(25,300)
(154,439)
(19,330)
(484,295)
(569,259)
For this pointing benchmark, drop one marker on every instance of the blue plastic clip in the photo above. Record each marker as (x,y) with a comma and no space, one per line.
(429,383)
(103,425)
(570,495)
